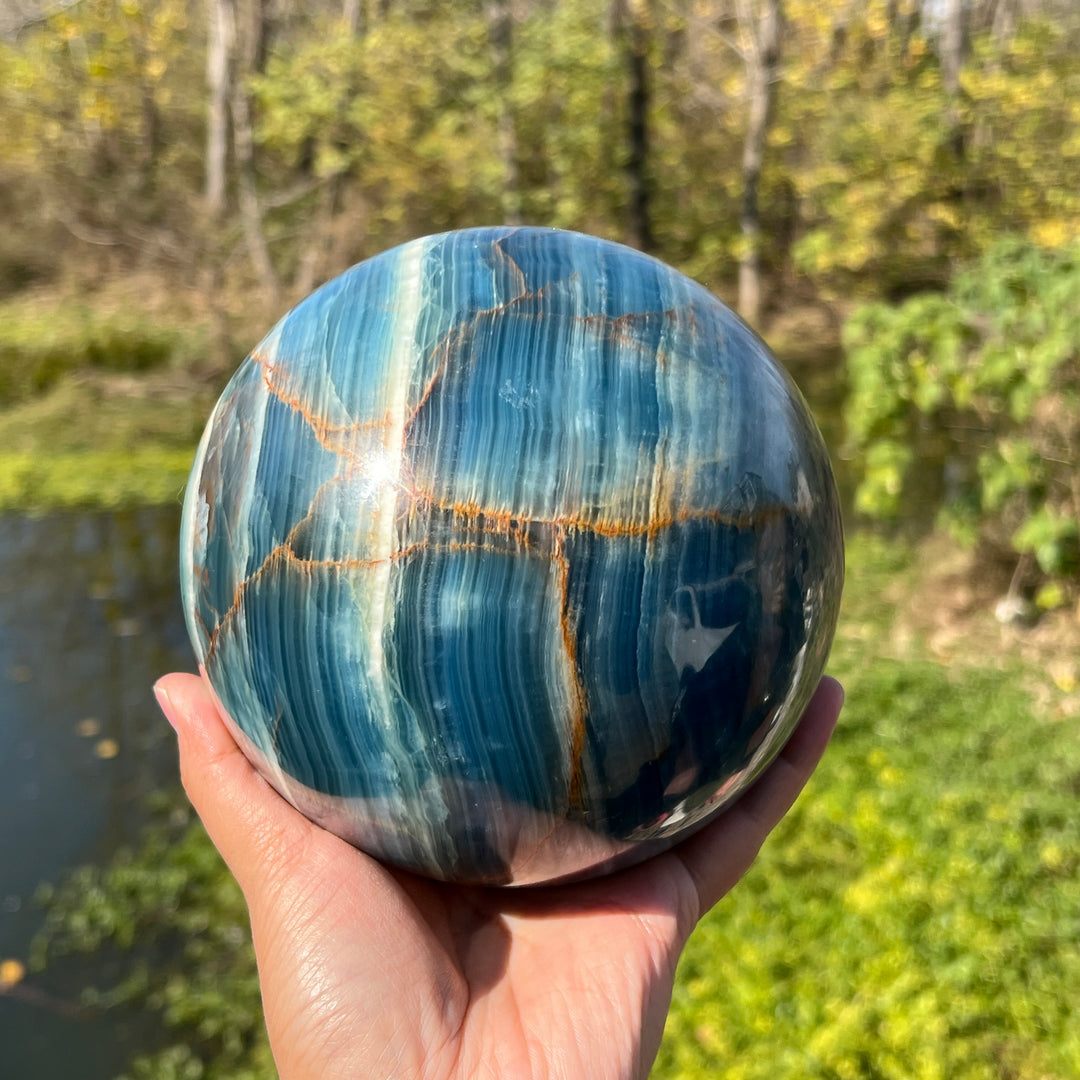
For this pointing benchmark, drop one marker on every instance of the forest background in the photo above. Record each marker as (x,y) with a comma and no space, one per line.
(889,190)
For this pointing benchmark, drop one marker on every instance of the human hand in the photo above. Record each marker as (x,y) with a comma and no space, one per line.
(368,971)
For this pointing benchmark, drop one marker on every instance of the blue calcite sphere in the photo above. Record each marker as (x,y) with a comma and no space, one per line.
(511,556)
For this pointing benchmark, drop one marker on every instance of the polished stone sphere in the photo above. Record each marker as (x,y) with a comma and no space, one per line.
(511,555)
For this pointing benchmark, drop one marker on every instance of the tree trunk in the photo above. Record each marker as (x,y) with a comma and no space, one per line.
(632,32)
(762,69)
(249,52)
(218,53)
(317,251)
(351,15)
(838,36)
(250,211)
(151,137)
(500,37)
(1003,25)
(217,125)
(952,46)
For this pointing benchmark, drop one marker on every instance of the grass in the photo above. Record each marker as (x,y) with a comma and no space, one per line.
(100,441)
(96,406)
(42,340)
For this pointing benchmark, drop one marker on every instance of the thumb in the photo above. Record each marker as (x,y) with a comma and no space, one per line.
(257,832)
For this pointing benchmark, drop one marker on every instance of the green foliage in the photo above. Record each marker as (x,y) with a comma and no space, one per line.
(423,145)
(424,149)
(986,378)
(100,123)
(94,407)
(896,177)
(98,479)
(917,916)
(569,111)
(40,343)
(179,912)
(876,184)
(88,442)
(1020,103)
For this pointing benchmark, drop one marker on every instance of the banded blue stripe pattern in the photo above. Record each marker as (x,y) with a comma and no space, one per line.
(511,555)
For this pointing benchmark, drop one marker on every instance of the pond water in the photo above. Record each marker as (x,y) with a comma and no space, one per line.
(89,618)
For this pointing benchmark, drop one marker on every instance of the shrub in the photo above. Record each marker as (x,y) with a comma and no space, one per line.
(39,345)
(982,382)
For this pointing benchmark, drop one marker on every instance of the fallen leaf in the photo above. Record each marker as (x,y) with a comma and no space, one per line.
(107,748)
(11,972)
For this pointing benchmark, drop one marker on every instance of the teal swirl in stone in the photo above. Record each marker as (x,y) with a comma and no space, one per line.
(511,555)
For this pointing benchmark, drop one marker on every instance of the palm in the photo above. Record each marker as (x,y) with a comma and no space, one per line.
(425,980)
(371,972)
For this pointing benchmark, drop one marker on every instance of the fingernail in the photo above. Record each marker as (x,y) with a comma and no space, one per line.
(166,704)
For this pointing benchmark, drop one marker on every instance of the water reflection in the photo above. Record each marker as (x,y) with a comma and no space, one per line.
(89,617)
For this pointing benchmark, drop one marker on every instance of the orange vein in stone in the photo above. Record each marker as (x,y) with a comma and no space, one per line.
(492,522)
(321,428)
(579,703)
(507,520)
(284,554)
(617,326)
(275,728)
(202,623)
(460,331)
(331,481)
(444,349)
(498,246)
